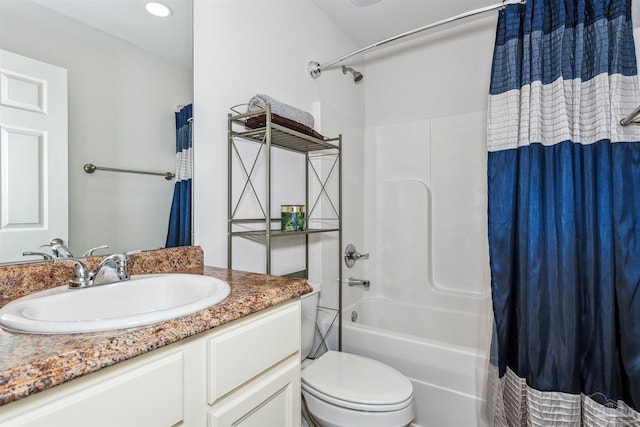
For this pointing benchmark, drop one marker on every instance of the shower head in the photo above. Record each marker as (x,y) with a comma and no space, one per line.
(357,76)
(315,70)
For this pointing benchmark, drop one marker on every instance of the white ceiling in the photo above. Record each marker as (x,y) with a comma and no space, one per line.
(170,38)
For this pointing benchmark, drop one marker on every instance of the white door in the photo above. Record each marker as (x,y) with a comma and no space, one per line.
(33,155)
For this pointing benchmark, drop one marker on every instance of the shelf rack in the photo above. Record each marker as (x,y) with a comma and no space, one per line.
(273,136)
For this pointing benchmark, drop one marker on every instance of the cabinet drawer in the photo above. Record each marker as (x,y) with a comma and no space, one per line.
(271,401)
(244,352)
(145,393)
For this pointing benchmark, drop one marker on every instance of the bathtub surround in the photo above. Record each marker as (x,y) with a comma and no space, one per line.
(421,114)
(32,363)
(438,266)
(563,205)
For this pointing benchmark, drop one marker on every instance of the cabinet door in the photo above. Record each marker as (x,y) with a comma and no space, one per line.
(272,400)
(241,353)
(147,392)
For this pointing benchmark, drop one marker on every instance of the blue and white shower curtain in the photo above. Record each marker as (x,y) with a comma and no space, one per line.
(564,214)
(180,218)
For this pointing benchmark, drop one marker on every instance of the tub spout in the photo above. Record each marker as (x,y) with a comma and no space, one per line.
(358,282)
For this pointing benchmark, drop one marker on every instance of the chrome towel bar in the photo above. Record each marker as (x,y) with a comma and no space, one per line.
(91,168)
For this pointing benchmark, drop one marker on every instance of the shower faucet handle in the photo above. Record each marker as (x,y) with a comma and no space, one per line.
(351,255)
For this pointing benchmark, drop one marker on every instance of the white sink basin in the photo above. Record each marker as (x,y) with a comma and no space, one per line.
(142,300)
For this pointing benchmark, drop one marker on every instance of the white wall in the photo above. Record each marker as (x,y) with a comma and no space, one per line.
(245,47)
(121,114)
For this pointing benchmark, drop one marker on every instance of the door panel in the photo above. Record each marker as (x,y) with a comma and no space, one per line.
(22,174)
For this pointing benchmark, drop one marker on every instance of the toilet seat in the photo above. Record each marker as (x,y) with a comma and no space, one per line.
(358,383)
(357,406)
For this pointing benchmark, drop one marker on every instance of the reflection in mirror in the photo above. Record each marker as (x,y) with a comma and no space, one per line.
(122,93)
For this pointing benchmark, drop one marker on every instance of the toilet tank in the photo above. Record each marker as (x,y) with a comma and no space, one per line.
(309,308)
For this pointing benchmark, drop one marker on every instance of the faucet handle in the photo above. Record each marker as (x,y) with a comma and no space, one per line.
(45,256)
(53,242)
(351,255)
(123,263)
(58,248)
(119,258)
(82,277)
(114,266)
(92,250)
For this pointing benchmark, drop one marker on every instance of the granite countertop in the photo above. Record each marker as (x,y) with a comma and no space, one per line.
(31,363)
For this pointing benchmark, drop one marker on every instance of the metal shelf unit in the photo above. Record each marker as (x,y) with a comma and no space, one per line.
(274,137)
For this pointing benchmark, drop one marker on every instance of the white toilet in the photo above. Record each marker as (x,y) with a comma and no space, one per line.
(346,390)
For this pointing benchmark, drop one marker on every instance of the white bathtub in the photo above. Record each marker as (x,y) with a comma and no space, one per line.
(443,353)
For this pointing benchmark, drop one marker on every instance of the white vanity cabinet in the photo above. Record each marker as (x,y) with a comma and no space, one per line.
(245,373)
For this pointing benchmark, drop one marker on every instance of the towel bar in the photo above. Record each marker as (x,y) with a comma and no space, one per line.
(91,168)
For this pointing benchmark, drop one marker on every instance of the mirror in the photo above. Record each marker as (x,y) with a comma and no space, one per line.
(127,73)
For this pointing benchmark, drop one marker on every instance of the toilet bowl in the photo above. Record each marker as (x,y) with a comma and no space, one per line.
(346,390)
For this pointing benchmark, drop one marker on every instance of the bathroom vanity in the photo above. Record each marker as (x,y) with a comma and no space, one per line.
(236,363)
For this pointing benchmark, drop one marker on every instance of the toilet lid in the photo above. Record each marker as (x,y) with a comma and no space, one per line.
(350,379)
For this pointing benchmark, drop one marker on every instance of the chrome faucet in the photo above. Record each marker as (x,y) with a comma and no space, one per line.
(110,270)
(358,282)
(58,248)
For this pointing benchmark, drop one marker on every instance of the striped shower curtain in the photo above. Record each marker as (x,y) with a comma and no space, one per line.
(180,217)
(564,214)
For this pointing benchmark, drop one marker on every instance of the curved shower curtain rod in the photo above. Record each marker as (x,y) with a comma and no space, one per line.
(632,118)
(315,68)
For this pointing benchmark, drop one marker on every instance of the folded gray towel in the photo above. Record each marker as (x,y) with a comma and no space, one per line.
(280,108)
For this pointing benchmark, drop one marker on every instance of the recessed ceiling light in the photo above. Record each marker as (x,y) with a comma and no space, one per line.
(158,9)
